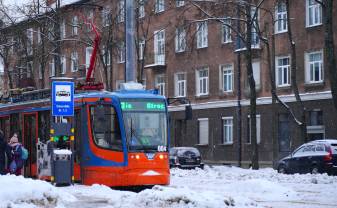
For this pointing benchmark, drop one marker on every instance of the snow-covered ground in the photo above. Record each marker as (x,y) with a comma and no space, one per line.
(212,187)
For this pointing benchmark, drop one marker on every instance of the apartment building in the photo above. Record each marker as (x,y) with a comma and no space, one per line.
(186,54)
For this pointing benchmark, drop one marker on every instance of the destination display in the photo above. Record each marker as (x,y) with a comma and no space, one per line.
(142,105)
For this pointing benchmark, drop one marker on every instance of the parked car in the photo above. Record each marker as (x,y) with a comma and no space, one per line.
(185,157)
(318,156)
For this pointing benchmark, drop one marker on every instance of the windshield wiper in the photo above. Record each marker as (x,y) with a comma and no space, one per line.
(133,134)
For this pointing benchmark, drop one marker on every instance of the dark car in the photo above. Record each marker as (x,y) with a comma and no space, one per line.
(185,157)
(318,156)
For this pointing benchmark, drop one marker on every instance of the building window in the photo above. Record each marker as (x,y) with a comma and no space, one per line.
(50,31)
(88,52)
(180,3)
(281,18)
(159,47)
(256,73)
(106,57)
(314,67)
(106,17)
(29,69)
(180,40)
(202,81)
(39,36)
(226,31)
(141,9)
(159,6)
(316,118)
(2,67)
(74,61)
(313,13)
(160,84)
(202,35)
(141,49)
(255,36)
(121,52)
(180,84)
(283,71)
(227,123)
(258,130)
(74,28)
(315,128)
(63,64)
(118,83)
(226,77)
(203,130)
(30,41)
(121,11)
(40,71)
(52,68)
(63,29)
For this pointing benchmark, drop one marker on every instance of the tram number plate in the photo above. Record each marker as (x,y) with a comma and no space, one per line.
(161,148)
(189,160)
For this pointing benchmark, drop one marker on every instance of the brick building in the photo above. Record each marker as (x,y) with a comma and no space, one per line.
(184,53)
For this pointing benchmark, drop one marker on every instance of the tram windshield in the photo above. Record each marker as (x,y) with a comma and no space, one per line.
(145,124)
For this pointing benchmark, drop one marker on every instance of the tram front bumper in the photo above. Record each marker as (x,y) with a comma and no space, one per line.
(140,177)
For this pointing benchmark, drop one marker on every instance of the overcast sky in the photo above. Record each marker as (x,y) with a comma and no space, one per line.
(16,2)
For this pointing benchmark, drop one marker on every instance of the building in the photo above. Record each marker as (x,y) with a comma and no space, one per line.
(185,53)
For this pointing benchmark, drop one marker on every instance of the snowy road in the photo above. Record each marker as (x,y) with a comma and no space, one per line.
(212,187)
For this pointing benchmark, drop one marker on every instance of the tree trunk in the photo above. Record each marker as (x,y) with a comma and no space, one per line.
(299,103)
(271,67)
(330,47)
(251,81)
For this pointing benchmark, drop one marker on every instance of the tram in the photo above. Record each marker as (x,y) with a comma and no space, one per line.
(120,138)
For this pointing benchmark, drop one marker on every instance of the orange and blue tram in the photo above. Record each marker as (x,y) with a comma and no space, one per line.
(120,138)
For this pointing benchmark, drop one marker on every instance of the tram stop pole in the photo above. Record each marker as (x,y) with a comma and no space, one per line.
(62,131)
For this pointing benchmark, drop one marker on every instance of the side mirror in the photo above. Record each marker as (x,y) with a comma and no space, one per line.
(188,112)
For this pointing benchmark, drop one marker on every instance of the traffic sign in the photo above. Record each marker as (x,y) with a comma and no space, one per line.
(62,98)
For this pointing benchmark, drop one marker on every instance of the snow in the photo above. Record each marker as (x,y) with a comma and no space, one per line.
(62,152)
(218,186)
(17,191)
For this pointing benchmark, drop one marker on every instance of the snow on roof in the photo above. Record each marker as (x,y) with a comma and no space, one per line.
(17,10)
(330,141)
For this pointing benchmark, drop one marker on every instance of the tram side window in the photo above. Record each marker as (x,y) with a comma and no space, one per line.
(4,126)
(15,125)
(44,126)
(105,127)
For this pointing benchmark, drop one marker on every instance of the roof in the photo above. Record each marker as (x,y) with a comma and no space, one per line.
(16,9)
(147,94)
(121,94)
(330,141)
(183,148)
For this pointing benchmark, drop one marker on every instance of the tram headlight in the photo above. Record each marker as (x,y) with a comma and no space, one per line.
(161,156)
(137,157)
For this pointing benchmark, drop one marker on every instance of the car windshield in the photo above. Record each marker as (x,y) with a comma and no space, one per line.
(187,151)
(145,124)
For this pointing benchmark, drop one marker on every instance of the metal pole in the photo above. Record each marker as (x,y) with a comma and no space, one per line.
(239,110)
(130,48)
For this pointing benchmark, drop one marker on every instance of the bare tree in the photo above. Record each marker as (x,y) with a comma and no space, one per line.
(329,45)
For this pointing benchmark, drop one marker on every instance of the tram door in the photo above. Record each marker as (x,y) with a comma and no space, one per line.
(30,130)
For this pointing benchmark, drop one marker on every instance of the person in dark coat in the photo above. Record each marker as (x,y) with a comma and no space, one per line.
(3,148)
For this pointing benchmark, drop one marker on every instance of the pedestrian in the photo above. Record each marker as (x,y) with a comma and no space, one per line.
(16,161)
(3,147)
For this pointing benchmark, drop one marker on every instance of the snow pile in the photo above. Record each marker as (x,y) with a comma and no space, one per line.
(159,196)
(234,173)
(257,185)
(212,187)
(17,191)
